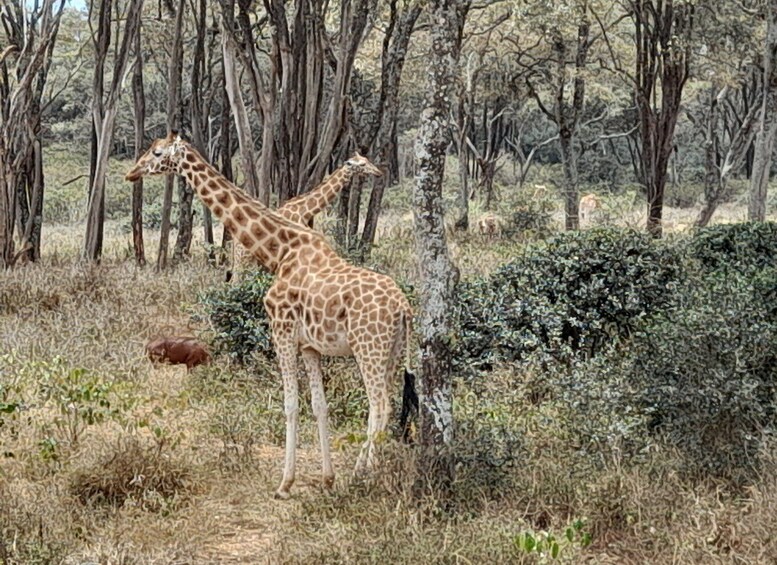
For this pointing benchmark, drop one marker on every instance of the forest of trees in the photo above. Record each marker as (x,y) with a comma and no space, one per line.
(617,91)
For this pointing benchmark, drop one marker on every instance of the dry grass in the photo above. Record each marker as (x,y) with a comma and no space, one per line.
(180,468)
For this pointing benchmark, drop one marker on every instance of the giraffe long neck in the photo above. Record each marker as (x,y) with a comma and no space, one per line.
(303,208)
(264,234)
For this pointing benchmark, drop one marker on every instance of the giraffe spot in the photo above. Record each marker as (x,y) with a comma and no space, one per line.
(230,224)
(317,317)
(318,303)
(250,212)
(204,190)
(257,231)
(198,167)
(240,198)
(190,157)
(341,315)
(240,217)
(185,166)
(273,246)
(308,317)
(224,198)
(293,295)
(218,210)
(373,316)
(208,201)
(329,325)
(246,240)
(267,224)
(283,235)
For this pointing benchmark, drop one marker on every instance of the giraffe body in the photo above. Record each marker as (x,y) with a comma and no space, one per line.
(318,305)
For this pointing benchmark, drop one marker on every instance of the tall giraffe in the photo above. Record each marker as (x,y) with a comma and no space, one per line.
(318,305)
(302,209)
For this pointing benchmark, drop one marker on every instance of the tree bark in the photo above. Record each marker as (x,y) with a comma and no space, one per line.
(662,34)
(438,275)
(764,145)
(173,124)
(139,106)
(104,125)
(383,144)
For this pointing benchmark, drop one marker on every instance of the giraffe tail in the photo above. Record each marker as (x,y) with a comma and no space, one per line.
(409,394)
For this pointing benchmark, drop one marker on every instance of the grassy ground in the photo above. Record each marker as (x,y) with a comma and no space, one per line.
(107,459)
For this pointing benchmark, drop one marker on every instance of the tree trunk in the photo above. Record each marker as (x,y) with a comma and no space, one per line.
(384,142)
(663,39)
(104,125)
(764,145)
(139,105)
(438,275)
(173,124)
(571,181)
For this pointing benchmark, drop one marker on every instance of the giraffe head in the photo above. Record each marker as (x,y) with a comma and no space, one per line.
(362,166)
(163,157)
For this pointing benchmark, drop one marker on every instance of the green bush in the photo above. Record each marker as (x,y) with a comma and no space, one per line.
(532,215)
(237,318)
(567,297)
(738,247)
(700,378)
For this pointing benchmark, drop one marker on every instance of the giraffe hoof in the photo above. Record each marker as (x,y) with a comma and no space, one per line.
(282,495)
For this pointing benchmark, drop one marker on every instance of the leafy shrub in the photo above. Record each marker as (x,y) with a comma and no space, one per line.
(532,214)
(743,246)
(700,378)
(571,295)
(237,318)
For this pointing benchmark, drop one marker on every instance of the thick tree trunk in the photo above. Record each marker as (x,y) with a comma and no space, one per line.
(139,105)
(764,145)
(438,275)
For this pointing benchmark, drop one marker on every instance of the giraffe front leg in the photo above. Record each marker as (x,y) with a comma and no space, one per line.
(287,356)
(312,361)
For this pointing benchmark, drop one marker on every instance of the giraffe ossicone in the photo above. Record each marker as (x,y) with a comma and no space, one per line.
(318,305)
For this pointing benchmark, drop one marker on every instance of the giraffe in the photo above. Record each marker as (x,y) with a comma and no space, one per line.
(318,305)
(302,209)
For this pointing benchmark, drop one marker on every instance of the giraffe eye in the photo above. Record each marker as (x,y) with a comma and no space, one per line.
(157,152)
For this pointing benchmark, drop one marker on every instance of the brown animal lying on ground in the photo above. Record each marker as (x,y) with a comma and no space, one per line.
(178,351)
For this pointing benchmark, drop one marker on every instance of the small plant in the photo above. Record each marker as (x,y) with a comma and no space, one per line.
(549,546)
(82,399)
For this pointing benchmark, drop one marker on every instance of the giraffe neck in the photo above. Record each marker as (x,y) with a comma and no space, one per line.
(265,235)
(309,205)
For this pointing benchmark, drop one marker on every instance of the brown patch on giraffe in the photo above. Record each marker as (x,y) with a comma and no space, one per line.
(224,198)
(239,216)
(198,167)
(342,314)
(230,224)
(268,225)
(208,201)
(251,212)
(191,158)
(257,231)
(246,240)
(273,246)
(317,317)
(283,235)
